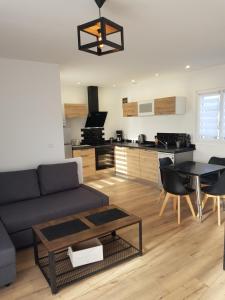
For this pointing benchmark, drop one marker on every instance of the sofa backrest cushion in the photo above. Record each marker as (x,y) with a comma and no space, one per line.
(18,185)
(58,177)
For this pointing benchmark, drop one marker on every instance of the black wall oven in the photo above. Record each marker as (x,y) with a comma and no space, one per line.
(104,156)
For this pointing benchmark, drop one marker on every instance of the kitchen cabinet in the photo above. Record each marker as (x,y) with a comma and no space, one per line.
(75,110)
(133,162)
(149,165)
(121,160)
(137,163)
(88,159)
(169,106)
(144,163)
(127,161)
(130,109)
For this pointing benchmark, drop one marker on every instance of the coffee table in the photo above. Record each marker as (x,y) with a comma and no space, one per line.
(52,239)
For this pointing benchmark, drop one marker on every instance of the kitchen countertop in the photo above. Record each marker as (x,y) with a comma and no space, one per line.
(82,147)
(137,146)
(155,148)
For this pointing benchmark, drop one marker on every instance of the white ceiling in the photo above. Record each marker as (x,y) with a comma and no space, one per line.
(161,36)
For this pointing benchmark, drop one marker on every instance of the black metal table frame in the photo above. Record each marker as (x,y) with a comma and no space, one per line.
(52,264)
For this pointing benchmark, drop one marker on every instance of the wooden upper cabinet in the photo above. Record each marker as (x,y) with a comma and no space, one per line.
(75,110)
(165,106)
(169,106)
(130,109)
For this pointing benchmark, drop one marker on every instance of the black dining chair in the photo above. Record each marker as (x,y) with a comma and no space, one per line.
(212,178)
(165,162)
(176,190)
(215,192)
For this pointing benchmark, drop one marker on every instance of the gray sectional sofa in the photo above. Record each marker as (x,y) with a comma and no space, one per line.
(33,196)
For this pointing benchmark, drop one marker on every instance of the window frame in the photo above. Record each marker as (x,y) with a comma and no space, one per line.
(221,138)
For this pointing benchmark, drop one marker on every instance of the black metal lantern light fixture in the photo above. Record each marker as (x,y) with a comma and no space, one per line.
(100,32)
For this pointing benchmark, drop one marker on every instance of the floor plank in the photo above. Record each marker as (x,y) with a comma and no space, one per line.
(179,262)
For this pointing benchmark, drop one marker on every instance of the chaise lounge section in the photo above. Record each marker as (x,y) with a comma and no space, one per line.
(7,258)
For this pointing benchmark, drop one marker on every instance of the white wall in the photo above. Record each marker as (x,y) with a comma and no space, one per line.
(111,101)
(73,94)
(181,85)
(209,79)
(30,114)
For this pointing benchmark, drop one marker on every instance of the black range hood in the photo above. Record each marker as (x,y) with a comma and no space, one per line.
(95,117)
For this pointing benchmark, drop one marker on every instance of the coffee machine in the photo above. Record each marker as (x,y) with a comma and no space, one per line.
(119,136)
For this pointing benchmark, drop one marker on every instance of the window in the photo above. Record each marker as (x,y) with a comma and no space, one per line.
(212,116)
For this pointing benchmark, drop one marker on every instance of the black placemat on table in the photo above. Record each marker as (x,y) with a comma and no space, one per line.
(106,216)
(60,230)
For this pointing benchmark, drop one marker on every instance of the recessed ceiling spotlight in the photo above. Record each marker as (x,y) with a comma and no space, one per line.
(114,85)
(133,81)
(78,83)
(156,74)
(188,67)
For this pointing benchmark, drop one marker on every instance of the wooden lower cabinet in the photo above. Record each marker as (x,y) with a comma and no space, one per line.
(133,162)
(137,163)
(88,158)
(121,160)
(149,165)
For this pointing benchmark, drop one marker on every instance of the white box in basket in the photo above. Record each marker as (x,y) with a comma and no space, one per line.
(86,252)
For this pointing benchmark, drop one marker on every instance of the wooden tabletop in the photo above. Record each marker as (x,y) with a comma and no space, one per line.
(196,168)
(92,232)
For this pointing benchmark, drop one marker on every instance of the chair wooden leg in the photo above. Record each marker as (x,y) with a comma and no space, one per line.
(174,204)
(164,204)
(205,199)
(214,204)
(188,199)
(178,210)
(162,195)
(218,210)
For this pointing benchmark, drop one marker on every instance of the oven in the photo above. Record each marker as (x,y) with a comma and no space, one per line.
(104,156)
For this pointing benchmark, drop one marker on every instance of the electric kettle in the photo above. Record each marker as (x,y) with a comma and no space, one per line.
(141,139)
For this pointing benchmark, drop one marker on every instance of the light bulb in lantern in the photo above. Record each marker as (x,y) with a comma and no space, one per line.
(100,39)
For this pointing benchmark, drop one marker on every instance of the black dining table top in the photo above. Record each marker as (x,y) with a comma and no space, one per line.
(196,168)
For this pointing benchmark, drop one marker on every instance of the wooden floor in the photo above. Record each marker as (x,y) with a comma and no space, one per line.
(179,262)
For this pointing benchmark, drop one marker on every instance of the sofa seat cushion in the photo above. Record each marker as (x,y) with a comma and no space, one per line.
(24,214)
(18,185)
(58,177)
(7,249)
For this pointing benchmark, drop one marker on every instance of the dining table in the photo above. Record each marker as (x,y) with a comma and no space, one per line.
(196,170)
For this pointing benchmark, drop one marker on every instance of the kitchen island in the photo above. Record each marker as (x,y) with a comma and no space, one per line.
(131,159)
(169,149)
(142,161)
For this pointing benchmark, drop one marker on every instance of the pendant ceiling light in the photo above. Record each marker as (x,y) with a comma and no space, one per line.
(102,35)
